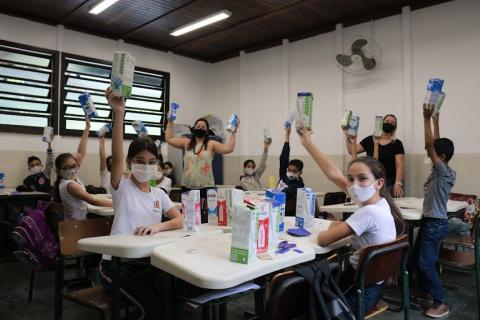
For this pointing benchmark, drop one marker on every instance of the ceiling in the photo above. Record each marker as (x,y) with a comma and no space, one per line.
(254,24)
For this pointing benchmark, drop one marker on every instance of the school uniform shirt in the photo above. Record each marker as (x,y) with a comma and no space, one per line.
(289,186)
(41,181)
(438,186)
(252,182)
(105,179)
(73,207)
(371,224)
(134,208)
(165,184)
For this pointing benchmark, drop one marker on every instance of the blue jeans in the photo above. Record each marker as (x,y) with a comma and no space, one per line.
(428,247)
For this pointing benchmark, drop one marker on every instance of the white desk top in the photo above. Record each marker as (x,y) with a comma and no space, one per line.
(131,246)
(207,264)
(13,192)
(318,226)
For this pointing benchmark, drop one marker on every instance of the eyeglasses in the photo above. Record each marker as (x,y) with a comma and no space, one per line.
(142,161)
(74,166)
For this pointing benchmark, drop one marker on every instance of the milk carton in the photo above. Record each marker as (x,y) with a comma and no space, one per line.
(346,119)
(353,125)
(212,206)
(435,85)
(172,112)
(304,109)
(305,210)
(2,180)
(222,207)
(87,105)
(278,199)
(439,102)
(232,123)
(289,121)
(47,134)
(123,68)
(244,224)
(378,126)
(274,224)
(191,210)
(107,127)
(262,226)
(434,91)
(234,197)
(140,128)
(267,137)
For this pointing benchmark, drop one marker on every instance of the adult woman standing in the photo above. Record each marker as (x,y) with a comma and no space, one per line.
(388,150)
(198,155)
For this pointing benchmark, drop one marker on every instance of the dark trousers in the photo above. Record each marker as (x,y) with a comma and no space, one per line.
(137,284)
(430,234)
(372,294)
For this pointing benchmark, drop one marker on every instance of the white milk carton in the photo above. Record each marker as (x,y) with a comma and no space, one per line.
(378,126)
(274,223)
(243,249)
(222,207)
(353,126)
(305,210)
(212,206)
(234,197)
(278,199)
(191,210)
(47,134)
(123,68)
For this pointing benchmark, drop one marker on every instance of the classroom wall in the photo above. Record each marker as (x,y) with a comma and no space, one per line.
(440,41)
(188,86)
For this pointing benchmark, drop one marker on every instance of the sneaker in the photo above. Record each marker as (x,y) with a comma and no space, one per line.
(438,310)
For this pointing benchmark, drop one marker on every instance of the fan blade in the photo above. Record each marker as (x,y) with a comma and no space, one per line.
(368,63)
(344,60)
(357,46)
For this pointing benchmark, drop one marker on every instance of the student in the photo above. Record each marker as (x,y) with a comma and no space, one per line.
(169,172)
(162,181)
(68,188)
(39,180)
(377,221)
(138,210)
(250,180)
(389,151)
(105,165)
(290,176)
(434,224)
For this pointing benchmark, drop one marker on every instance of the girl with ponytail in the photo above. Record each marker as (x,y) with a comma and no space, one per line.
(377,221)
(68,188)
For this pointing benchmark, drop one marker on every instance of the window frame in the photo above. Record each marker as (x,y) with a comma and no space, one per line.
(53,118)
(127,136)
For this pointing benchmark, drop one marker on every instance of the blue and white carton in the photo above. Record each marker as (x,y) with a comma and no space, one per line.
(140,128)
(212,206)
(88,105)
(172,112)
(123,70)
(278,199)
(305,210)
(232,123)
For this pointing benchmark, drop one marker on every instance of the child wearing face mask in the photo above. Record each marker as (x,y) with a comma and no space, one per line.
(250,180)
(39,179)
(105,165)
(139,209)
(169,172)
(290,176)
(162,181)
(69,189)
(377,221)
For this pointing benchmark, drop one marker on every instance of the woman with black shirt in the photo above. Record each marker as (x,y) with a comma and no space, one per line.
(389,151)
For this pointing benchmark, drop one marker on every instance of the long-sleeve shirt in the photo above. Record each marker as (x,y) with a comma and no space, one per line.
(289,186)
(41,181)
(252,182)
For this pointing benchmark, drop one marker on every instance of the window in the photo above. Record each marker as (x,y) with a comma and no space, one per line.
(147,103)
(27,88)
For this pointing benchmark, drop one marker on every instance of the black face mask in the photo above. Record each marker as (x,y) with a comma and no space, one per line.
(109,167)
(199,133)
(388,127)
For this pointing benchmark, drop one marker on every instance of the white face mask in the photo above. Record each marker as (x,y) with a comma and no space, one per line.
(361,194)
(249,171)
(36,169)
(69,174)
(291,176)
(168,172)
(159,175)
(144,172)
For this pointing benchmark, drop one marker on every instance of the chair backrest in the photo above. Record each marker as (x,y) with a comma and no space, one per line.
(334,198)
(379,262)
(70,231)
(54,214)
(288,296)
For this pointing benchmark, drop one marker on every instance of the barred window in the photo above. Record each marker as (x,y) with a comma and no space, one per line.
(27,88)
(147,103)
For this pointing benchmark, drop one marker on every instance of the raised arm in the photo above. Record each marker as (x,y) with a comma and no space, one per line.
(101,152)
(329,168)
(49,163)
(263,162)
(358,147)
(221,148)
(179,142)
(82,146)
(353,144)
(118,107)
(436,126)
(427,116)
(285,155)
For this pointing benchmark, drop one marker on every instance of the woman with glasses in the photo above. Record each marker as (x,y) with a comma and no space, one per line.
(68,188)
(139,209)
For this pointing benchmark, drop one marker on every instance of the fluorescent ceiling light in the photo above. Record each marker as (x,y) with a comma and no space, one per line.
(197,24)
(102,5)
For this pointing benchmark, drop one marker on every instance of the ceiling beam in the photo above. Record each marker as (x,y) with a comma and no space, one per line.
(66,17)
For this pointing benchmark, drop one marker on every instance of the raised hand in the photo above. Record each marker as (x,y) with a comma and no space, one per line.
(116,103)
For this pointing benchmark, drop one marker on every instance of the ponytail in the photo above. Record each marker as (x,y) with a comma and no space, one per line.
(56,193)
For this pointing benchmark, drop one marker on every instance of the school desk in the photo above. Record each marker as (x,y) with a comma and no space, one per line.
(131,246)
(108,211)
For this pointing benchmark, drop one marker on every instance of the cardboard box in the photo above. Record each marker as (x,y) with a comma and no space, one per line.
(305,210)
(243,248)
(123,68)
(191,210)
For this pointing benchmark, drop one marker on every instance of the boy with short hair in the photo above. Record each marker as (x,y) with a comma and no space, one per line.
(435,221)
(39,179)
(290,175)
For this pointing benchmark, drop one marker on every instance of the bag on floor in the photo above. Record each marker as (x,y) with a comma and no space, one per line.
(33,235)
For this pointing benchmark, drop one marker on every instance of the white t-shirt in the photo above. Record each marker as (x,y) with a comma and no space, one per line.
(73,207)
(372,224)
(134,207)
(105,179)
(165,184)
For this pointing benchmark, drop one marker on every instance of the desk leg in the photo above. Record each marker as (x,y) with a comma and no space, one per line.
(115,288)
(260,297)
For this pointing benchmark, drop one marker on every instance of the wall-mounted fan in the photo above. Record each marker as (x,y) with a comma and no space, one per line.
(364,57)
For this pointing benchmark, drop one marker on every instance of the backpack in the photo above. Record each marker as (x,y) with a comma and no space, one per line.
(33,235)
